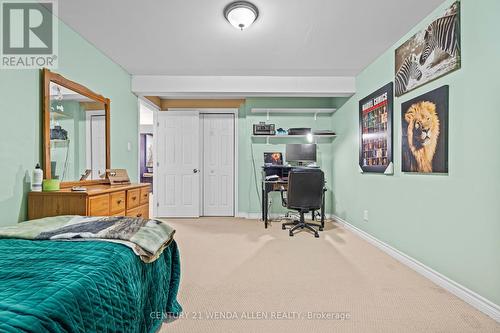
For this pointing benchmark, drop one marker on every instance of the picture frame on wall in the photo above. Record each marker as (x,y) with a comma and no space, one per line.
(429,54)
(424,124)
(376,131)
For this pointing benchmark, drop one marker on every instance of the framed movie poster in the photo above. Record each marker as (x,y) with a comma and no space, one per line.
(425,132)
(375,129)
(432,52)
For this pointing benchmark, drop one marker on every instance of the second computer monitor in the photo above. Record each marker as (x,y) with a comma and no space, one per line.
(300,152)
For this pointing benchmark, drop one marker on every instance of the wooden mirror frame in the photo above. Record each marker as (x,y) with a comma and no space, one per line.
(49,77)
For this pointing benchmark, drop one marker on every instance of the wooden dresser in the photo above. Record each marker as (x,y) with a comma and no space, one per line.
(98,200)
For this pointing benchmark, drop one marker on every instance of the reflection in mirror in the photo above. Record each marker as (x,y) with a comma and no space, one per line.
(77,136)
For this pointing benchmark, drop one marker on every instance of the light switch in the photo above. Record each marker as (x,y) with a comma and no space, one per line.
(129,146)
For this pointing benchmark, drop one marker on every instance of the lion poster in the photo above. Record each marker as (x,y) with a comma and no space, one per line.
(431,53)
(425,132)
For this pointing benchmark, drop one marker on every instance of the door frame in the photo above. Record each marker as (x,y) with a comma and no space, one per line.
(234,112)
(143,102)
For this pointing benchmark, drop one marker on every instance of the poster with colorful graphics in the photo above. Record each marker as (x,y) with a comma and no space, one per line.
(375,129)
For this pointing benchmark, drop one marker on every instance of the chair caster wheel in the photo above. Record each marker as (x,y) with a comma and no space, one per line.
(291,234)
(316,235)
(283,227)
(320,229)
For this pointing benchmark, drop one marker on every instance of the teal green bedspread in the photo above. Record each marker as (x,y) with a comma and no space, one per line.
(88,286)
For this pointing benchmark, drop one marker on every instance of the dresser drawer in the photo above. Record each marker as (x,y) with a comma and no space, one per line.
(117,202)
(145,211)
(99,205)
(144,195)
(133,198)
(141,211)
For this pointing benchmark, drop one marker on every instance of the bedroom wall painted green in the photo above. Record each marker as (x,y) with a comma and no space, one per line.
(20,110)
(450,223)
(249,177)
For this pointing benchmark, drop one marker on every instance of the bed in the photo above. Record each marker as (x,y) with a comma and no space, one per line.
(84,286)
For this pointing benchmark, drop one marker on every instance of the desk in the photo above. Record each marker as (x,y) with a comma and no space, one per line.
(275,186)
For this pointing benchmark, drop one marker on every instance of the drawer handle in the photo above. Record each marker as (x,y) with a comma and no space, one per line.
(139,215)
(119,201)
(134,198)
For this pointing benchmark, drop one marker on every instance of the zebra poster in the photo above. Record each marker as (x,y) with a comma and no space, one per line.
(375,128)
(430,53)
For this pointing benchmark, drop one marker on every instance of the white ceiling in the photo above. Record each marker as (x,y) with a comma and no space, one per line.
(290,38)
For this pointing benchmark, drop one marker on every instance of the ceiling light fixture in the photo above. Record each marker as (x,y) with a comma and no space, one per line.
(241,14)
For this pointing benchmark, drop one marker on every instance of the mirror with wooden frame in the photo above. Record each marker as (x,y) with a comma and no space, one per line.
(76,132)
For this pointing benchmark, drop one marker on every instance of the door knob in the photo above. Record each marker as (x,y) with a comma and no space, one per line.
(196,170)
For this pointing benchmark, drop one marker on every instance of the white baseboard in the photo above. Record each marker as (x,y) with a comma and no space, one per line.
(244,215)
(258,216)
(479,302)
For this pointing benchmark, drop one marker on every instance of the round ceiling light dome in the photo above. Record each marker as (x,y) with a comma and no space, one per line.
(241,14)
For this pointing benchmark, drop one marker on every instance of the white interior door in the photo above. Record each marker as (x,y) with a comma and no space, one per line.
(218,164)
(96,143)
(178,183)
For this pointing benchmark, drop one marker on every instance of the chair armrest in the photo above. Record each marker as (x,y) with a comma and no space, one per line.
(283,198)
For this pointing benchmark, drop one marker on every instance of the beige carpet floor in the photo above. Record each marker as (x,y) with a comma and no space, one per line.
(239,277)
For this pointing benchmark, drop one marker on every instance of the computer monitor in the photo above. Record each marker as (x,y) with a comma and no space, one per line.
(273,158)
(301,152)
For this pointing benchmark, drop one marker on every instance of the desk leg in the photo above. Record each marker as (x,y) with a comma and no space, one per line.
(323,212)
(263,203)
(264,208)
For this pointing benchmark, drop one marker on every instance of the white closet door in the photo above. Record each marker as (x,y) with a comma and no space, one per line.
(178,137)
(96,143)
(218,164)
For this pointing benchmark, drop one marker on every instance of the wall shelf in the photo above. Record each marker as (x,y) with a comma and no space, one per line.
(60,115)
(316,138)
(57,143)
(313,111)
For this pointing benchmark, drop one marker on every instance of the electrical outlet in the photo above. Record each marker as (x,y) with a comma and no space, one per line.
(365,216)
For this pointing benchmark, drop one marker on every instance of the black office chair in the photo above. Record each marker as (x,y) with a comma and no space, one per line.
(304,194)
